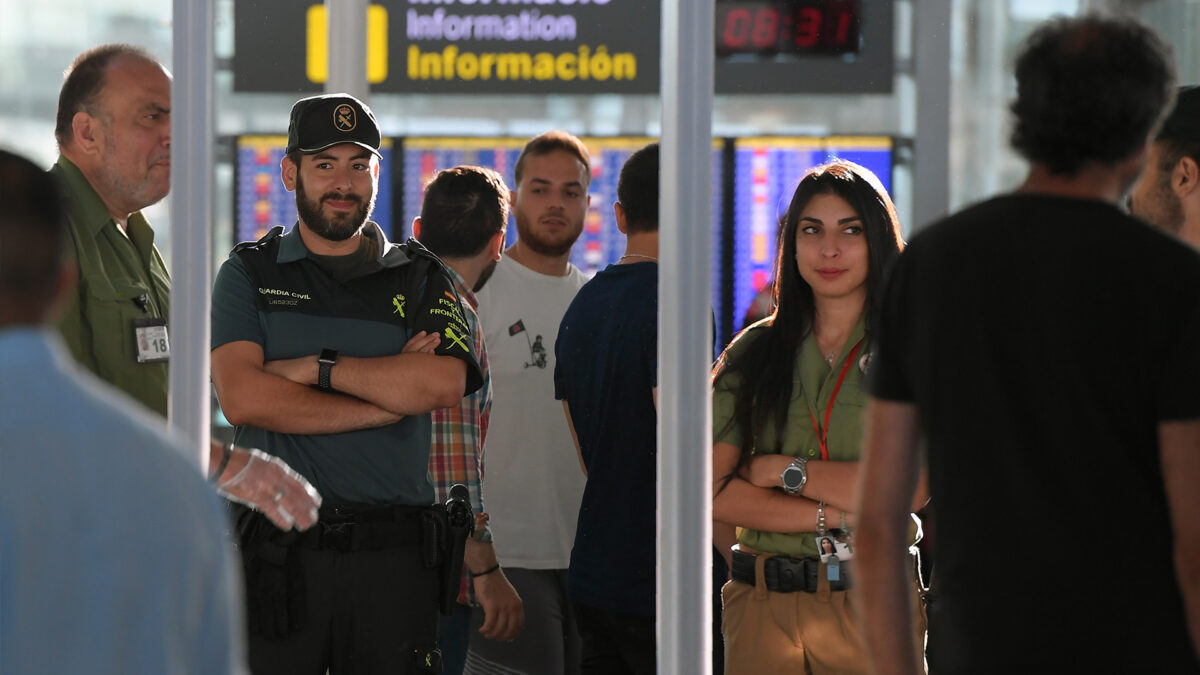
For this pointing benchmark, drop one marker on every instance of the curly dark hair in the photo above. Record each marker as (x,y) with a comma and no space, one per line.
(1089,89)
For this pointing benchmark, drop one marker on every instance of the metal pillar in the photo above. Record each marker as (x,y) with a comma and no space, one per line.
(191,222)
(685,341)
(347,47)
(931,160)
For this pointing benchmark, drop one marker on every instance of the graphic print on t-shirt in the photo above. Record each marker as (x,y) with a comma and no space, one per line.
(537,352)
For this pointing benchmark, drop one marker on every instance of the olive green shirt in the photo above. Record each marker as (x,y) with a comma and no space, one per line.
(121,279)
(813,383)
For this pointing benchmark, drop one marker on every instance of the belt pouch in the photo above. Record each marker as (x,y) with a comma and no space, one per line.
(275,605)
(433,536)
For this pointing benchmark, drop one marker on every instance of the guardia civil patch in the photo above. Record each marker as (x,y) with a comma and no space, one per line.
(344,117)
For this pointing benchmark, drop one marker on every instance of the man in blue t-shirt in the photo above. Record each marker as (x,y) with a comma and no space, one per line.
(606,377)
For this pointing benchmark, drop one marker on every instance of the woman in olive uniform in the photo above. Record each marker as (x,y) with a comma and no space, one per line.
(787,426)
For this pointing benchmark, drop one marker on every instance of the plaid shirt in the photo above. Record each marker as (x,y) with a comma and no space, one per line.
(456,455)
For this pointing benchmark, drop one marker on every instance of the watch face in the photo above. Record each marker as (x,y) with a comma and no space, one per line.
(792,477)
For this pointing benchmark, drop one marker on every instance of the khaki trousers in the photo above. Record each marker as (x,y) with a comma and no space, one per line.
(812,633)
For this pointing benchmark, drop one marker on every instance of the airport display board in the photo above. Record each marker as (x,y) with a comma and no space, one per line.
(567,46)
(767,170)
(804,46)
(260,200)
(775,27)
(458,46)
(601,243)
(753,181)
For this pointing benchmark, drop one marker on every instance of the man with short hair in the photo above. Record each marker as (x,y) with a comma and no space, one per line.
(1167,194)
(331,345)
(1045,345)
(114,138)
(606,376)
(463,218)
(533,481)
(113,553)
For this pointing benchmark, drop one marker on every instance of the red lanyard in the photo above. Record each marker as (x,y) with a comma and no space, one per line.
(823,431)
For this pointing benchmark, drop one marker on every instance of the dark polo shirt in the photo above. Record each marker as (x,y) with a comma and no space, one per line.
(280,298)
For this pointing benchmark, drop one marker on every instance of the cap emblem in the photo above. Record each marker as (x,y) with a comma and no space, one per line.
(344,117)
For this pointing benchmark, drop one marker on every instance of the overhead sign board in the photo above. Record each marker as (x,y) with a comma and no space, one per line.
(566,46)
(460,46)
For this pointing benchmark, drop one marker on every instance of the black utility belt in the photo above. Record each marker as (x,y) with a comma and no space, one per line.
(785,574)
(348,528)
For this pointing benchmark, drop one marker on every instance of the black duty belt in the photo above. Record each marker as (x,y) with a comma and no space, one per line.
(784,574)
(365,528)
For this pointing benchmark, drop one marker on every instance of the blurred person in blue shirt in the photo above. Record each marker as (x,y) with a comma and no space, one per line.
(113,557)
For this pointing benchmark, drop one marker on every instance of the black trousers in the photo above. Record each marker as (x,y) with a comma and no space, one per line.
(368,612)
(614,644)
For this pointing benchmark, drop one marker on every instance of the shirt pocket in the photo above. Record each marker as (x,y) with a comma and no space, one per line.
(111,307)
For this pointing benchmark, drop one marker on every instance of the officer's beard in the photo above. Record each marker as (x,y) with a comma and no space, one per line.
(338,228)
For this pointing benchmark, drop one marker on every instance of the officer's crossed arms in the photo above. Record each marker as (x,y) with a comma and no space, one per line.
(279,395)
(305,370)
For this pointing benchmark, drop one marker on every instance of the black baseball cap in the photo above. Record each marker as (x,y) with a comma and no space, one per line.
(1183,124)
(320,122)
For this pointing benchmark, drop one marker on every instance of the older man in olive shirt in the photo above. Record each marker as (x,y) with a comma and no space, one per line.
(114,135)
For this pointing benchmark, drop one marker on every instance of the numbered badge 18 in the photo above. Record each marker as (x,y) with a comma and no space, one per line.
(150,336)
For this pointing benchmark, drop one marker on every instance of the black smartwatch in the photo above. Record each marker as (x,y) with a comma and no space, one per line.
(795,476)
(325,363)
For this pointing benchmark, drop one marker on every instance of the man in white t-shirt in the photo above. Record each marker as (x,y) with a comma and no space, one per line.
(532,480)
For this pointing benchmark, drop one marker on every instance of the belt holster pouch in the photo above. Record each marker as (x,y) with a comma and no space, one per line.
(433,536)
(460,521)
(275,604)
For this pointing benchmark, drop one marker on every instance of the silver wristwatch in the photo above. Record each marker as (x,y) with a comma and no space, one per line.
(795,476)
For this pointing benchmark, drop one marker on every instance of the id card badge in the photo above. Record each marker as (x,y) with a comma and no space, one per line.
(150,336)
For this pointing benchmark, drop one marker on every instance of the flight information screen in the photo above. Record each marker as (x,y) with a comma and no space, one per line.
(601,243)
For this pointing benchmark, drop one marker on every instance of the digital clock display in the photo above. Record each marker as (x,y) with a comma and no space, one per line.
(791,27)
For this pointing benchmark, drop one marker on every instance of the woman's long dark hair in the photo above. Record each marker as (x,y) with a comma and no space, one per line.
(766,367)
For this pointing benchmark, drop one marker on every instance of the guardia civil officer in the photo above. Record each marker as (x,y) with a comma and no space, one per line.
(308,330)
